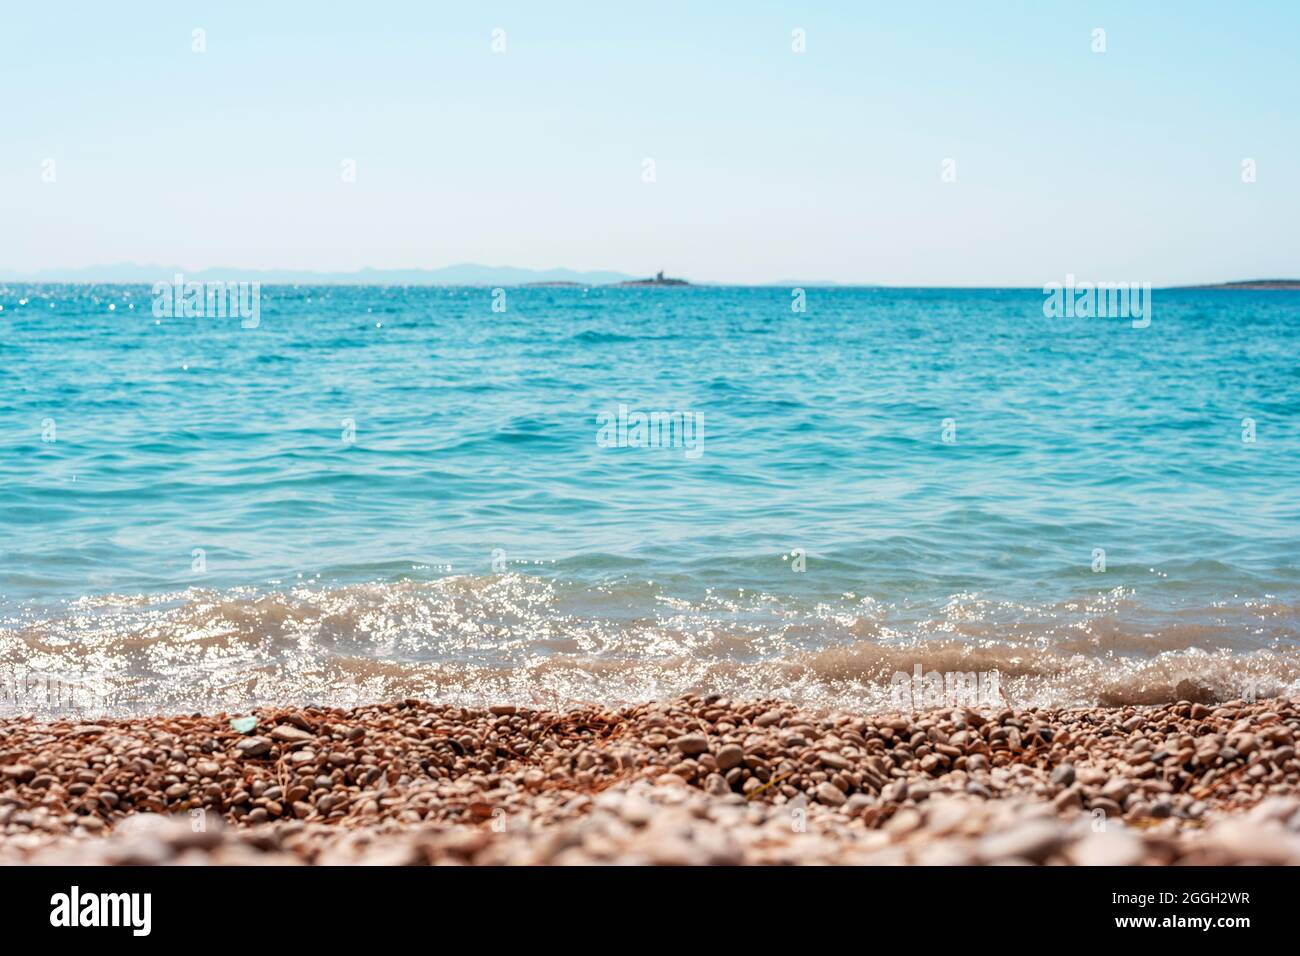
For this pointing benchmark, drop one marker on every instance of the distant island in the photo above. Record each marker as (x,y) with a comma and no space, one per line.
(1247,284)
(659,279)
(473,274)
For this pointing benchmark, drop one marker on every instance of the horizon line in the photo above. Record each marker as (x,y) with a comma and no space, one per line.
(1247,285)
(468,274)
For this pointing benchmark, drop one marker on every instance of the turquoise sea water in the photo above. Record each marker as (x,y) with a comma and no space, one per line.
(389,491)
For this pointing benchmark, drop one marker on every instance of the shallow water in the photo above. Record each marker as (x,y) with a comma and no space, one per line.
(207,530)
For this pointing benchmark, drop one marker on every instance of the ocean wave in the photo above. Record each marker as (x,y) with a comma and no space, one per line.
(524,639)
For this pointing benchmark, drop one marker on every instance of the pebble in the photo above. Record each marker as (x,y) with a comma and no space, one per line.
(1117,790)
(289,734)
(1068,799)
(730,756)
(834,761)
(1111,848)
(831,795)
(692,744)
(1063,775)
(925,787)
(1032,841)
(254,747)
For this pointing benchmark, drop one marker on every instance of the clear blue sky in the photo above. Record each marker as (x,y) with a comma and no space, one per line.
(770,165)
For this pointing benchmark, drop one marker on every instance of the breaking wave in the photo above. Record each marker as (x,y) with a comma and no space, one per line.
(537,642)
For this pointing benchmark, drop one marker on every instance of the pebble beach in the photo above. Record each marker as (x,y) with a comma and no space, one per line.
(694,780)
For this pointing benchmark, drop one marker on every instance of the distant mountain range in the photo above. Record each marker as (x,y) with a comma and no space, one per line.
(464,274)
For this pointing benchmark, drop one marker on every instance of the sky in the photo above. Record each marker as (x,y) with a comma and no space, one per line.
(769,164)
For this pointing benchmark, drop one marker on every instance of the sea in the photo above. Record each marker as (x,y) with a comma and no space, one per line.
(557,495)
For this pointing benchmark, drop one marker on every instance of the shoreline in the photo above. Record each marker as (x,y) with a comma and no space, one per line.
(690,780)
